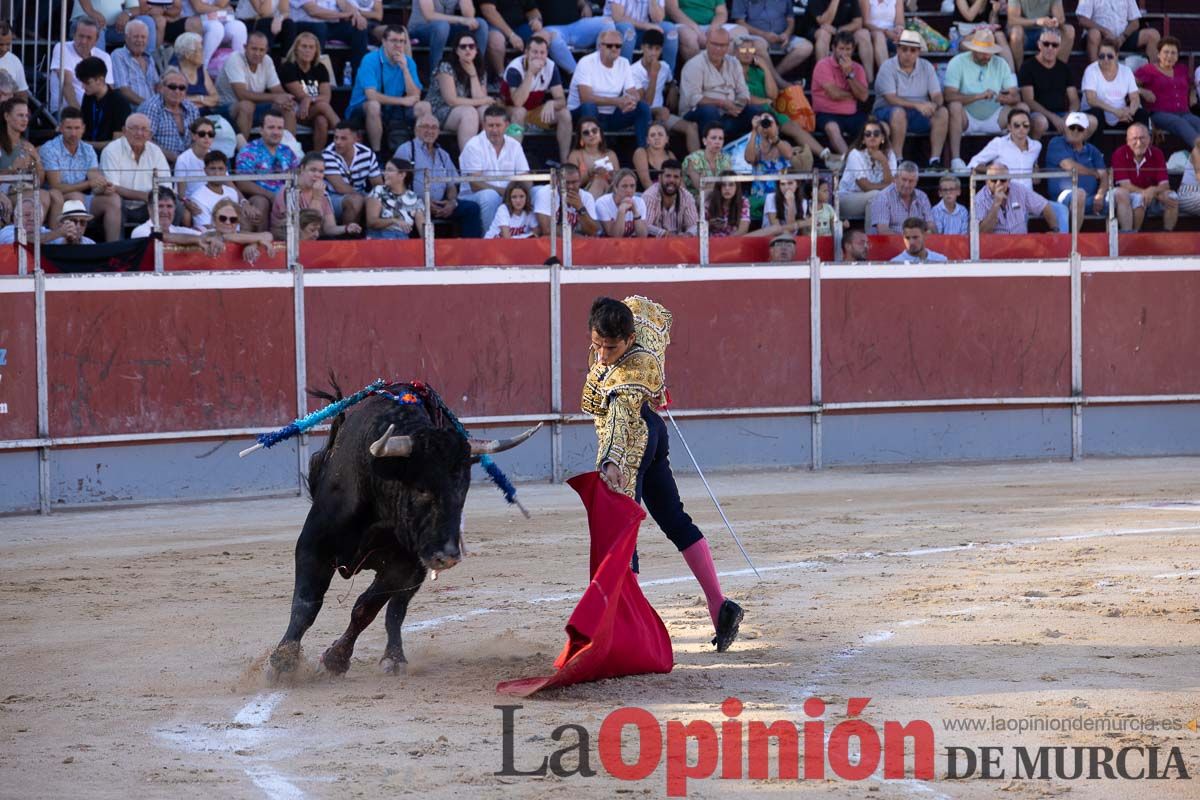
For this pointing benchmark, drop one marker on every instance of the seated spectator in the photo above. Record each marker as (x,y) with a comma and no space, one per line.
(8,88)
(264,156)
(130,164)
(709,162)
(271,18)
(311,224)
(73,170)
(622,213)
(914,251)
(1110,91)
(532,89)
(728,212)
(604,87)
(824,215)
(971,15)
(104,109)
(1073,152)
(869,170)
(514,217)
(595,159)
(767,154)
(307,80)
(351,171)
(458,93)
(394,211)
(651,71)
(31,216)
(427,156)
(10,65)
(574,24)
(170,115)
(488,160)
(214,21)
(712,88)
(1027,19)
(1165,88)
(827,18)
(436,22)
(763,93)
(81,46)
(249,85)
(1014,149)
(310,193)
(839,85)
(372,12)
(634,19)
(669,211)
(179,235)
(513,23)
(112,18)
(190,163)
(884,20)
(1117,20)
(772,23)
(786,209)
(1002,206)
(908,97)
(189,58)
(900,201)
(783,249)
(856,246)
(18,156)
(332,19)
(1140,174)
(135,76)
(1046,87)
(73,222)
(226,222)
(1189,187)
(386,88)
(579,204)
(981,90)
(201,202)
(648,160)
(949,216)
(696,20)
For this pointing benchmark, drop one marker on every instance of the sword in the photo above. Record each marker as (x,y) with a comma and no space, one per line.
(716,502)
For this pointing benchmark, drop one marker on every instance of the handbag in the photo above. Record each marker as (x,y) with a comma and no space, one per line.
(792,103)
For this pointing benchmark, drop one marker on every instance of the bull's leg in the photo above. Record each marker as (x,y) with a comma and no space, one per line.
(393,660)
(314,571)
(368,605)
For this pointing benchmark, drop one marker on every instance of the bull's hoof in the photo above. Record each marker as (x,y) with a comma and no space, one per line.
(285,658)
(336,660)
(390,665)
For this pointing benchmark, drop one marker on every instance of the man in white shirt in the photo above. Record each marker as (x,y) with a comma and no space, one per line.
(210,242)
(652,75)
(81,46)
(130,163)
(1118,20)
(581,206)
(603,87)
(9,63)
(914,244)
(249,85)
(488,160)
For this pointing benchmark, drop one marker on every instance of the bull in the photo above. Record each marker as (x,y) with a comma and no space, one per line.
(387,494)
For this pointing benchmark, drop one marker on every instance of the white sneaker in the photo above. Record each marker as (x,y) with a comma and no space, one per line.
(833,161)
(959,167)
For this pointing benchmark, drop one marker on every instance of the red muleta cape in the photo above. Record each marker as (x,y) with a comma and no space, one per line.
(614,630)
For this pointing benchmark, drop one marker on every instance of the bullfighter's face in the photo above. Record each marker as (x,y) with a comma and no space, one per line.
(610,349)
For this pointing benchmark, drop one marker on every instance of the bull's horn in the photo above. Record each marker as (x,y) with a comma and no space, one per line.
(394,447)
(488,446)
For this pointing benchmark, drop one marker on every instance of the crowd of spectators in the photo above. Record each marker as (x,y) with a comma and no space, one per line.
(209,91)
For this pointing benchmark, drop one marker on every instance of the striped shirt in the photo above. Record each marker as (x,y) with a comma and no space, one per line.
(358,172)
(888,209)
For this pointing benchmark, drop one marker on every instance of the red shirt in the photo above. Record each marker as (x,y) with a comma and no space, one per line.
(1150,172)
(1170,92)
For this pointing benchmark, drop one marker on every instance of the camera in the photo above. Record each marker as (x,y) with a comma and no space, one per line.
(766,122)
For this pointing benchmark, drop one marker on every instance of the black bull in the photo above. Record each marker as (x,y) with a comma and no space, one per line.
(387,495)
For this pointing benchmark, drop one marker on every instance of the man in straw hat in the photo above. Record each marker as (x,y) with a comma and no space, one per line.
(908,97)
(981,89)
(72,223)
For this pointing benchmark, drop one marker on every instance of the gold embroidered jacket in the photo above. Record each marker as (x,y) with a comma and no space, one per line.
(615,394)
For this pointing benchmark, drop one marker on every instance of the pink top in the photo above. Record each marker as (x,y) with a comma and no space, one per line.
(828,73)
(1170,93)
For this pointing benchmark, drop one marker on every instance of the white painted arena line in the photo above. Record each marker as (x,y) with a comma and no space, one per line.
(1187,574)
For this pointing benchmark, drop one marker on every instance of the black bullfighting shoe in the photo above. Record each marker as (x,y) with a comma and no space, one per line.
(728,620)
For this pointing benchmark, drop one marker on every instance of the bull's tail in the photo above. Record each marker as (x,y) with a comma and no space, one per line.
(316,462)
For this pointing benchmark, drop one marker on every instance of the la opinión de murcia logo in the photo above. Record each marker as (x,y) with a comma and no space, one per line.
(853,750)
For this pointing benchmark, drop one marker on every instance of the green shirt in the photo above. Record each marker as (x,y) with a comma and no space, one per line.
(700,11)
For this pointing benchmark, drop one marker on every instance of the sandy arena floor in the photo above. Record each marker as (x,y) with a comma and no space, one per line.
(133,640)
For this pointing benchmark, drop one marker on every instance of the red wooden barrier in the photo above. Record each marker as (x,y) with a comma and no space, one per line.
(18,367)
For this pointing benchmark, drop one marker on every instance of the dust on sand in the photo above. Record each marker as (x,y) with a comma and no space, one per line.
(134,639)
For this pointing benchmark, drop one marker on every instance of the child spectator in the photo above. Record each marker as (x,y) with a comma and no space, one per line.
(948,216)
(514,218)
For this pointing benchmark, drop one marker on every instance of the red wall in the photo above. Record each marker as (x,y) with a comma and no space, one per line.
(18,375)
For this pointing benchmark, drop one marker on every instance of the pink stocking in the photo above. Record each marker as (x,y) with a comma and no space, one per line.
(699,559)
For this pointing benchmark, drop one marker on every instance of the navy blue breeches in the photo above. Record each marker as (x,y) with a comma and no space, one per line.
(656,488)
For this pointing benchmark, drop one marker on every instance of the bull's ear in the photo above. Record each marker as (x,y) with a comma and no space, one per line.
(389,446)
(481,447)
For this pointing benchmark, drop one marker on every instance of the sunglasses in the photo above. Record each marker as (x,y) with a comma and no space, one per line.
(590,131)
(611,45)
(1076,128)
(747,49)
(1049,45)
(176,87)
(1018,124)
(205,134)
(1108,56)
(468,46)
(872,133)
(223,218)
